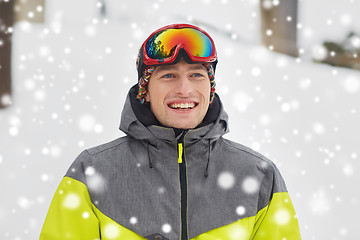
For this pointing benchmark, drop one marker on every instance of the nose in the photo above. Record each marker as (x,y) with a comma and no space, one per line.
(183,86)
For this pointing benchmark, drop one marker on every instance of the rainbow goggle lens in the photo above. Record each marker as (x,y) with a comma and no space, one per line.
(163,46)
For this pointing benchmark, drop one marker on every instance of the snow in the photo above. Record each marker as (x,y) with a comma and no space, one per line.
(240,210)
(133,220)
(87,122)
(161,190)
(282,217)
(238,233)
(351,84)
(348,170)
(226,180)
(166,228)
(111,231)
(24,202)
(71,201)
(250,185)
(89,171)
(44,177)
(71,76)
(85,215)
(95,181)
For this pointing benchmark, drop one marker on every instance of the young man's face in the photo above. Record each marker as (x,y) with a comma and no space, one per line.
(179,94)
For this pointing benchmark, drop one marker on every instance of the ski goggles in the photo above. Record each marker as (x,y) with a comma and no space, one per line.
(163,46)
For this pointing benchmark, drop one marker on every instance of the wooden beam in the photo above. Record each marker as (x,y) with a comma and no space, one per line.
(29,10)
(279,25)
(6,23)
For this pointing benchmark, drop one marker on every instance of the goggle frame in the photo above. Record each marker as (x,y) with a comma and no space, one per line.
(150,61)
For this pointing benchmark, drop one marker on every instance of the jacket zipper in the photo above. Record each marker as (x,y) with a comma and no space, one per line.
(183,187)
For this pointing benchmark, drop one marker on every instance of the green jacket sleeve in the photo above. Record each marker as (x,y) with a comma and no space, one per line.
(71,215)
(277,219)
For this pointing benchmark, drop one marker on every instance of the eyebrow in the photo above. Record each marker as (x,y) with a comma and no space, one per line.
(196,67)
(174,67)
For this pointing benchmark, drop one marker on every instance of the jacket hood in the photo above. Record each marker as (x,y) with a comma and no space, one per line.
(138,121)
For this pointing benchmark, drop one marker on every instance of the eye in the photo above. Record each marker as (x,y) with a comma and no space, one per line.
(197,75)
(169,75)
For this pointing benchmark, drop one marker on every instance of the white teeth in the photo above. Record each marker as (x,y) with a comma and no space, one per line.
(182,105)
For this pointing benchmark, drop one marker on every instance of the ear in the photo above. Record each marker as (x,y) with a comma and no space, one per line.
(147,97)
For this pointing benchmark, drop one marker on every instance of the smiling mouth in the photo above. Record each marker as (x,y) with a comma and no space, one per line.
(183,106)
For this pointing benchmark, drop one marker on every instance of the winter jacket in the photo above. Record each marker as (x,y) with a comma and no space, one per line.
(154,184)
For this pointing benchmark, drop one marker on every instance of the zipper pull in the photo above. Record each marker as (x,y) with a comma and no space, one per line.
(180,149)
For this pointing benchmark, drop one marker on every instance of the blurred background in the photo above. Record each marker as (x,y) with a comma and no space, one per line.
(288,76)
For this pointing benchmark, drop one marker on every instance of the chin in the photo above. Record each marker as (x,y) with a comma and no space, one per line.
(189,126)
(183,125)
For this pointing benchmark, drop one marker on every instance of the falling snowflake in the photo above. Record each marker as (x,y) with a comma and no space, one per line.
(13,131)
(90,30)
(343,231)
(98,128)
(318,128)
(39,95)
(352,84)
(226,180)
(240,210)
(250,185)
(166,228)
(81,74)
(90,171)
(45,151)
(29,84)
(86,123)
(108,50)
(355,41)
(24,202)
(285,107)
(161,190)
(44,51)
(238,233)
(281,62)
(269,32)
(255,71)
(282,216)
(138,34)
(133,220)
(345,19)
(96,183)
(71,201)
(6,99)
(276,2)
(241,101)
(44,177)
(265,119)
(85,215)
(267,4)
(305,83)
(319,53)
(111,231)
(320,203)
(55,151)
(100,78)
(348,170)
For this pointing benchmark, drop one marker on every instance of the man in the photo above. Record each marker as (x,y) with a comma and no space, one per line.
(173,176)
